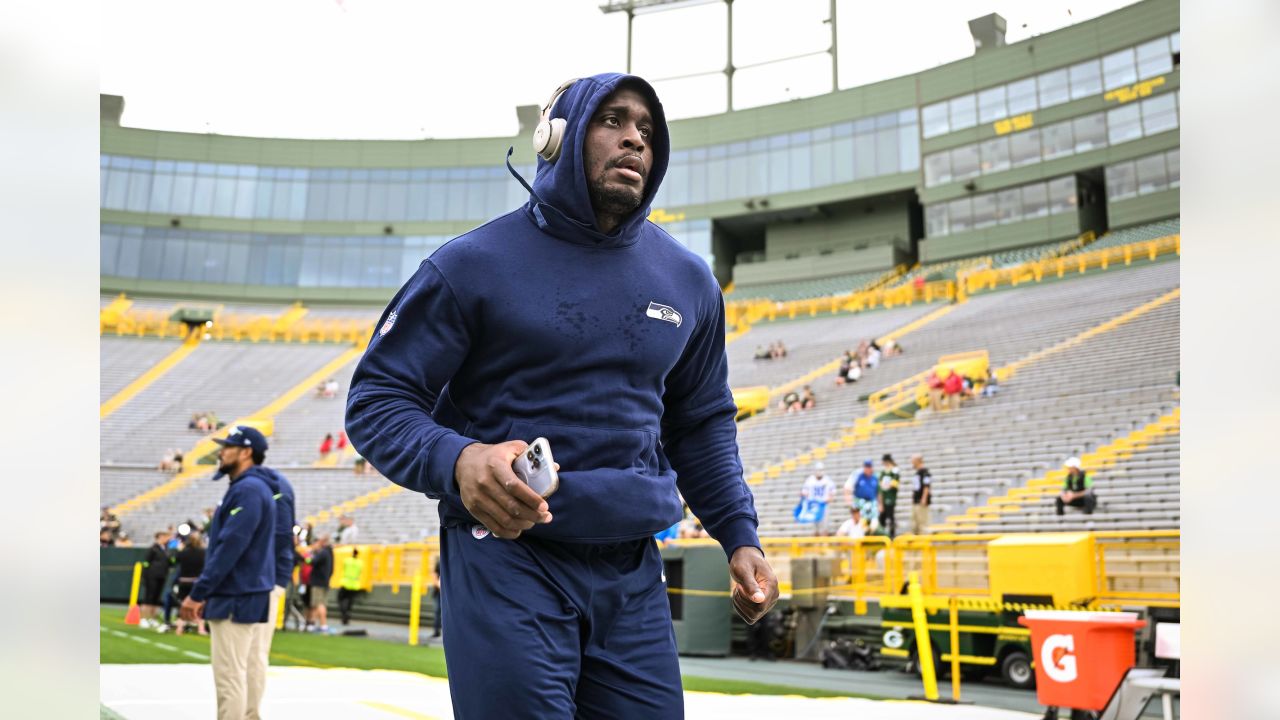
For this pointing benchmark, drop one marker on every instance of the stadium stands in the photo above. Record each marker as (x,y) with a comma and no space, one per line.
(1135,234)
(123,359)
(1040,418)
(1067,403)
(315,489)
(229,379)
(805,289)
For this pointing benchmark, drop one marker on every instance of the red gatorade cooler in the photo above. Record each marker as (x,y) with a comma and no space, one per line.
(1080,657)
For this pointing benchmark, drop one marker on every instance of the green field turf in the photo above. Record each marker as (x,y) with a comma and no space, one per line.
(122,643)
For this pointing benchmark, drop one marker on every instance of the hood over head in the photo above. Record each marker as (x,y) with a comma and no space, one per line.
(561,201)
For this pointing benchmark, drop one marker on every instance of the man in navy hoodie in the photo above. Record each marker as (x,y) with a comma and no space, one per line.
(234,591)
(575,319)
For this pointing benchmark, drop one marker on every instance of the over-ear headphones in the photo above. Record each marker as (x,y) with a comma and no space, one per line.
(548,137)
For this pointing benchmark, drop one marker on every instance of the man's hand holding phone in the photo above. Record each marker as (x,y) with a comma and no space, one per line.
(493,493)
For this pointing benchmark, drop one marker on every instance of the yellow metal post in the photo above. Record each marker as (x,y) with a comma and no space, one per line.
(280,610)
(415,607)
(924,649)
(133,615)
(955,647)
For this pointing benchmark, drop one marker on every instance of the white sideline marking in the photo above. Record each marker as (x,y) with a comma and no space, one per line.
(162,646)
(195,655)
(165,692)
(117,633)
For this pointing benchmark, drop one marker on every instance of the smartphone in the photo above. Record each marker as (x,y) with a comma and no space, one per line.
(537,468)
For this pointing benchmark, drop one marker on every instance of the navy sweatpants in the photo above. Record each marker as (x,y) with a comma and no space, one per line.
(541,629)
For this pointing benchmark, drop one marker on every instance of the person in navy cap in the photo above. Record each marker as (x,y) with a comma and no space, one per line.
(247,566)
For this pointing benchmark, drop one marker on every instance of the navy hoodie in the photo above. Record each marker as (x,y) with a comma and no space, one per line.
(239,568)
(282,495)
(537,324)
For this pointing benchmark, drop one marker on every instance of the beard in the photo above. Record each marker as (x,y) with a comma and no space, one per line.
(226,468)
(613,199)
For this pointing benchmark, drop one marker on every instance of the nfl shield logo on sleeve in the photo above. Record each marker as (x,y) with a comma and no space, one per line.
(386,326)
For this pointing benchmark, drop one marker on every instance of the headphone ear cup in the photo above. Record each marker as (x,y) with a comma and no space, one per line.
(554,138)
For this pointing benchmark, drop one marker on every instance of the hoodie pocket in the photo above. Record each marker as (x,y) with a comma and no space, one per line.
(611,486)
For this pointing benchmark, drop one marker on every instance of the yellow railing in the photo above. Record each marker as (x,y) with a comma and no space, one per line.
(753,311)
(290,326)
(1036,270)
(1139,567)
(1131,567)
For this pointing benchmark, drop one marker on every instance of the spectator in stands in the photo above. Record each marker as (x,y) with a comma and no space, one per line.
(991,386)
(154,568)
(177,460)
(934,383)
(763,353)
(106,539)
(892,348)
(890,479)
(342,441)
(348,533)
(873,354)
(190,566)
(920,496)
(808,400)
(862,489)
(109,522)
(196,421)
(779,350)
(860,354)
(352,585)
(326,445)
(817,491)
(360,466)
(842,374)
(123,540)
(586,210)
(853,527)
(1077,489)
(953,388)
(790,402)
(318,584)
(166,461)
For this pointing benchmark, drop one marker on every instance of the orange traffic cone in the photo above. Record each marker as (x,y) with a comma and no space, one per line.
(134,615)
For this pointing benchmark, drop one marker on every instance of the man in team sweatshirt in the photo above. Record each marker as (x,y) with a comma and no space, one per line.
(575,319)
(234,591)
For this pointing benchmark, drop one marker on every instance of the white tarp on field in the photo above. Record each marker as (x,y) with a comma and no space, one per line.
(185,692)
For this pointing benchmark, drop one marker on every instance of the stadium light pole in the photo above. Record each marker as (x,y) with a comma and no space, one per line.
(632,7)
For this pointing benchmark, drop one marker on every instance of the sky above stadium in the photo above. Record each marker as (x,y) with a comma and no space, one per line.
(410,69)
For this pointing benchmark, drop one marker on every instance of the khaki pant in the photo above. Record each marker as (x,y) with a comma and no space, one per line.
(239,654)
(919,519)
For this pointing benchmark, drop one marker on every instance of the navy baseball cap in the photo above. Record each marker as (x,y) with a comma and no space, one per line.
(244,436)
(868,462)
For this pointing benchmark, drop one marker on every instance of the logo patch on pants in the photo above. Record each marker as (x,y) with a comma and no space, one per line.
(658,311)
(479,532)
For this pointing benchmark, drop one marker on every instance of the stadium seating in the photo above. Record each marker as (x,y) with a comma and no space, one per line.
(229,379)
(122,360)
(1002,441)
(1135,234)
(315,489)
(1068,403)
(805,289)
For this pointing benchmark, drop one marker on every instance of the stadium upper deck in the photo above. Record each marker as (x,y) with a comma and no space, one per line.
(1019,145)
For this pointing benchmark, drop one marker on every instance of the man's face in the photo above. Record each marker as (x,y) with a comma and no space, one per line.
(229,459)
(618,152)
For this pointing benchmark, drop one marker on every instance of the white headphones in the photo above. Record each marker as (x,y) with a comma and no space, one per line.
(549,135)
